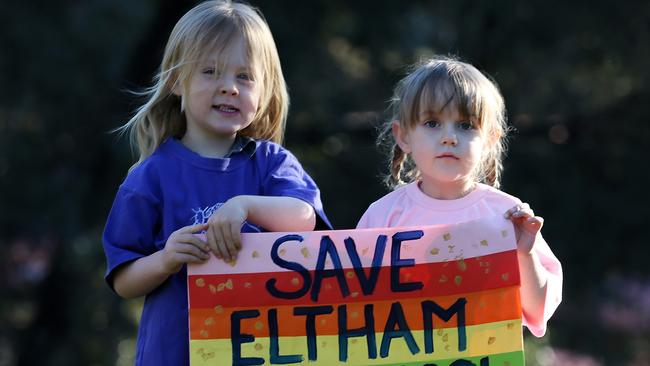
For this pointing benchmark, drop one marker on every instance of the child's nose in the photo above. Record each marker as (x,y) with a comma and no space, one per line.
(228,87)
(449,137)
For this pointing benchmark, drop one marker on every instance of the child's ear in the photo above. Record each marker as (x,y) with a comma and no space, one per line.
(401,137)
(178,90)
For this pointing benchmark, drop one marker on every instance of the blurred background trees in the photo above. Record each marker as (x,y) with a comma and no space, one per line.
(574,75)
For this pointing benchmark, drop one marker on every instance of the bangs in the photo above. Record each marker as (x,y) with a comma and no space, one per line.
(442,91)
(217,39)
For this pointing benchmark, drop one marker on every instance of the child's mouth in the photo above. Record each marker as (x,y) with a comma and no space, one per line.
(225,108)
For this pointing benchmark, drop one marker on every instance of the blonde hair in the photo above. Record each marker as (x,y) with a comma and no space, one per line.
(210,26)
(447,83)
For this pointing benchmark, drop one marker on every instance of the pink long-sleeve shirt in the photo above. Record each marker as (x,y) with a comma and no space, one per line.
(409,206)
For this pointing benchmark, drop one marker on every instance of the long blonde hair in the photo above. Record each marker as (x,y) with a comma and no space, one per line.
(211,25)
(447,83)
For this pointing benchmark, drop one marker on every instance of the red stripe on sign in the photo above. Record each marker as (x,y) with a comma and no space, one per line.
(481,307)
(437,279)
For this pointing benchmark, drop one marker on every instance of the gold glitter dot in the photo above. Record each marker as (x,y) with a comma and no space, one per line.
(295,281)
(258,347)
(208,355)
(505,276)
(364,251)
(451,248)
(446,236)
(218,309)
(247,284)
(491,340)
(209,321)
(440,332)
(283,251)
(324,343)
(232,263)
(255,254)
(328,286)
(200,282)
(484,243)
(204,334)
(443,279)
(221,286)
(510,326)
(354,314)
(504,233)
(354,294)
(349,274)
(323,321)
(458,280)
(354,340)
(445,337)
(213,289)
(487,270)
(434,251)
(462,265)
(447,348)
(305,252)
(259,325)
(229,284)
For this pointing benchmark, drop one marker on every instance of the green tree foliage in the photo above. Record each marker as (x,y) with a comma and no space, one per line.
(573,73)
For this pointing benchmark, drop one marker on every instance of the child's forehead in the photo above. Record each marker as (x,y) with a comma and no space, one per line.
(442,99)
(234,51)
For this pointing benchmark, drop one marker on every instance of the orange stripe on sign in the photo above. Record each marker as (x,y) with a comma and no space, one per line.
(481,307)
(438,279)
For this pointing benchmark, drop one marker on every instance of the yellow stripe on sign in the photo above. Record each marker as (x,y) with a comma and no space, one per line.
(482,340)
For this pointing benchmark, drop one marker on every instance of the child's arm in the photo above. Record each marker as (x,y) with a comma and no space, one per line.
(271,213)
(143,275)
(533,274)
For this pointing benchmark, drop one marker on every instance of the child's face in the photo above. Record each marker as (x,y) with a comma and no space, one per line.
(222,102)
(446,147)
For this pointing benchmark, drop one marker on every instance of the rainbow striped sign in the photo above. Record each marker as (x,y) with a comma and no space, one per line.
(434,295)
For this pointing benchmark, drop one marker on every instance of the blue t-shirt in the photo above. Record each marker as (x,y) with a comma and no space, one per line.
(176,187)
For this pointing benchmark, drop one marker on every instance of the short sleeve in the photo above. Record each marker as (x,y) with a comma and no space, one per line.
(553,287)
(130,229)
(287,178)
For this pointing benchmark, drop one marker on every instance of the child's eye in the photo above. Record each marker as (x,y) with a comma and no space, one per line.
(431,123)
(245,76)
(466,125)
(208,71)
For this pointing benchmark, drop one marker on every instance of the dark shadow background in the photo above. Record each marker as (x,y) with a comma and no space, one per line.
(574,75)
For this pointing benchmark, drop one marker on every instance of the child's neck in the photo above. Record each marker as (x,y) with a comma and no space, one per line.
(208,147)
(446,190)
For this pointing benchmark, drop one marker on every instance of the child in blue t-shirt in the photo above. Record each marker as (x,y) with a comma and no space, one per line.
(210,162)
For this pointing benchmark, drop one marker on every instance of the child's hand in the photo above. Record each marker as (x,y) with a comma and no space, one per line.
(527,225)
(224,228)
(184,247)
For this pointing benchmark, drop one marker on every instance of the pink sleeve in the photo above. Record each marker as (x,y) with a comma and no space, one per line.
(363,222)
(553,288)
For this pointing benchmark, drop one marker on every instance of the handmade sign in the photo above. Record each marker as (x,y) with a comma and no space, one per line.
(434,295)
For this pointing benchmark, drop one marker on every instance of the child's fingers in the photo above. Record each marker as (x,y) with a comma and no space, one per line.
(220,242)
(235,231)
(190,249)
(189,258)
(515,210)
(213,242)
(192,229)
(226,233)
(193,240)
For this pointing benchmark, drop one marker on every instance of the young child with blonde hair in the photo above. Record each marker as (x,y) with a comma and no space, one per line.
(210,162)
(447,140)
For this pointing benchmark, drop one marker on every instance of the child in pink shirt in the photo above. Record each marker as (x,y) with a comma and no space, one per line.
(447,135)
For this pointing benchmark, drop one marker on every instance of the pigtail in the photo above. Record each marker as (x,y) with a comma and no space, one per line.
(396,165)
(493,169)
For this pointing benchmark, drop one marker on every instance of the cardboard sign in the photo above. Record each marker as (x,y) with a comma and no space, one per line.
(434,295)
